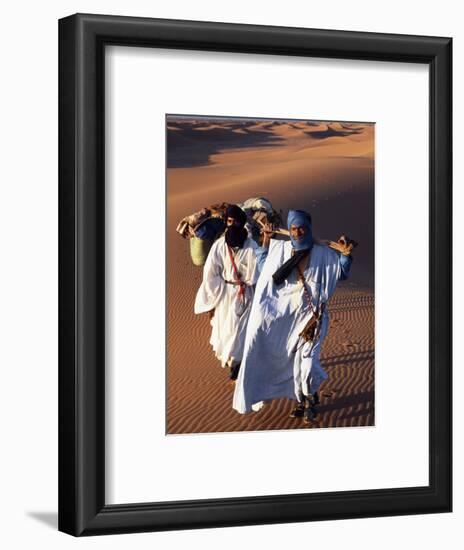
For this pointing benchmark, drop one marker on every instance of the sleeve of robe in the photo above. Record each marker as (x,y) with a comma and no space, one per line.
(261,255)
(213,286)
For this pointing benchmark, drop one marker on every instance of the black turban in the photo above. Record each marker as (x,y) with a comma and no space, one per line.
(236,236)
(234,211)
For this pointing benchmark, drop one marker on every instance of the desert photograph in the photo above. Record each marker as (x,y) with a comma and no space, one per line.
(270,274)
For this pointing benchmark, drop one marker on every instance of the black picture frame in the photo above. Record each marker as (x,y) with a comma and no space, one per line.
(82,508)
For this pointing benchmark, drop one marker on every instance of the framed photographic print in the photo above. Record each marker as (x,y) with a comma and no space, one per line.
(255,274)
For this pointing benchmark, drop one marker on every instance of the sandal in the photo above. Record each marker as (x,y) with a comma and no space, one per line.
(298,411)
(310,414)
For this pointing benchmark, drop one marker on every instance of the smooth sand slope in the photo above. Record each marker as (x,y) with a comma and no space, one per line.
(325,168)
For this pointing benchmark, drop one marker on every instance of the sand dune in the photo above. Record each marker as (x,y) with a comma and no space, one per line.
(333,178)
(189,142)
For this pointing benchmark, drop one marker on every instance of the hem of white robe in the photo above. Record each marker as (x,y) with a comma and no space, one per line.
(229,361)
(256,402)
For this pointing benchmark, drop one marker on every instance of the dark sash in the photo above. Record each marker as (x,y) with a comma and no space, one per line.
(285,269)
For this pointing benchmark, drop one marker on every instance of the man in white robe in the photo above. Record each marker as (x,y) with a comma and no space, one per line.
(297,279)
(227,289)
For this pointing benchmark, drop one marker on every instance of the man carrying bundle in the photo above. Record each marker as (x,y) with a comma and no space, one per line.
(226,292)
(289,319)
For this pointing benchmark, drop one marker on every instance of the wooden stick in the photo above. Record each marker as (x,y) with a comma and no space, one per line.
(343,248)
(278,230)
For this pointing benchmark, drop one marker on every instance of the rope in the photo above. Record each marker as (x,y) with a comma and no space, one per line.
(237,275)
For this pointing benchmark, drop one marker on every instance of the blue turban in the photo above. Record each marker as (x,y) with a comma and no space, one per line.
(300,218)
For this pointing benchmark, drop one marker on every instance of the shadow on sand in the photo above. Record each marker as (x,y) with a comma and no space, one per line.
(190,145)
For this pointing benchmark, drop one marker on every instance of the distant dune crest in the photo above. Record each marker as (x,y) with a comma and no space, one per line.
(194,141)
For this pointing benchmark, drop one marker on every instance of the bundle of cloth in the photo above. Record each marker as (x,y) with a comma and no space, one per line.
(202,228)
(259,211)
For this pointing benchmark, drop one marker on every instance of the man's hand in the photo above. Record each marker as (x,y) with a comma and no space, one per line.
(268,232)
(344,245)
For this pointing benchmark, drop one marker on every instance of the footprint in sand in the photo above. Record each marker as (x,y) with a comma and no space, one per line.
(329,394)
(351,346)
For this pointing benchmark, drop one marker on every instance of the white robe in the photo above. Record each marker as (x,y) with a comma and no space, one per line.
(270,367)
(231,313)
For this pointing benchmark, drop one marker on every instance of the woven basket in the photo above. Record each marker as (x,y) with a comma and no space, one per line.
(199,249)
